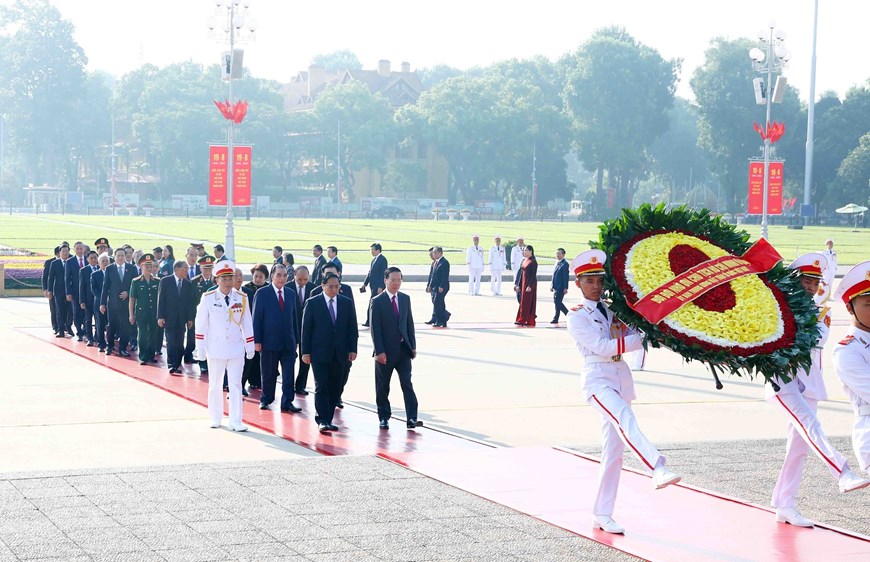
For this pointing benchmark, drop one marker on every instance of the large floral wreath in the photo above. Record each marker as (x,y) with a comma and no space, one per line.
(755,323)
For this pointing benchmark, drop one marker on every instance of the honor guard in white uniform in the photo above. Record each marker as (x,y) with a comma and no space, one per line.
(608,387)
(517,258)
(799,399)
(224,337)
(852,357)
(831,273)
(497,261)
(474,261)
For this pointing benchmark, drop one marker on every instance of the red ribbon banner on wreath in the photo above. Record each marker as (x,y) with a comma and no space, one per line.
(694,282)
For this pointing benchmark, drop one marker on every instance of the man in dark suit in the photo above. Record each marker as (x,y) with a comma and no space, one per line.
(559,285)
(345,291)
(302,289)
(73,267)
(429,284)
(375,277)
(56,284)
(319,262)
(176,311)
(329,343)
(332,257)
(278,254)
(113,302)
(100,318)
(440,286)
(46,267)
(395,345)
(86,296)
(276,334)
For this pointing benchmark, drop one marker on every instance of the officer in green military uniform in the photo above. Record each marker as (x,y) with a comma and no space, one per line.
(143,309)
(203,283)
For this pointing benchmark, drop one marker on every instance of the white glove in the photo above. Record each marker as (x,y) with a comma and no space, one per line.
(200,354)
(249,355)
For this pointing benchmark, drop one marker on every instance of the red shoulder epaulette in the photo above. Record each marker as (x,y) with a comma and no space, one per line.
(576,308)
(847,339)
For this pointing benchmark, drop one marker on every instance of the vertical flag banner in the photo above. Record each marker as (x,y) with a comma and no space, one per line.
(242,176)
(774,189)
(756,188)
(217,175)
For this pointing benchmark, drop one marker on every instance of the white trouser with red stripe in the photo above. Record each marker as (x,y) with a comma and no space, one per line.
(619,430)
(861,441)
(805,434)
(233,368)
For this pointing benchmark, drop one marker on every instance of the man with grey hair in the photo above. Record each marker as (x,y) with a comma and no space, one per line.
(302,290)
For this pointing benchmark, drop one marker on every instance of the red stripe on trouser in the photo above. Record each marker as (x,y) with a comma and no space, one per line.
(624,436)
(809,440)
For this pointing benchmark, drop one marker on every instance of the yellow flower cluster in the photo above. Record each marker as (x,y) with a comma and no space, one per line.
(755,319)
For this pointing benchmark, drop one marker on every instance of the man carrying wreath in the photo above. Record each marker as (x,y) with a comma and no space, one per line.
(608,386)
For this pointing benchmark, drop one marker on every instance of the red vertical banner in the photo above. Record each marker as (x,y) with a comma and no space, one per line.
(242,176)
(774,189)
(756,188)
(217,175)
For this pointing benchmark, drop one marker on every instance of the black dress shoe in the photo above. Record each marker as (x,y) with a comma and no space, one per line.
(291,408)
(384,424)
(143,362)
(58,335)
(188,359)
(91,344)
(324,428)
(366,325)
(152,360)
(333,427)
(226,389)
(108,352)
(102,350)
(554,321)
(173,370)
(264,406)
(124,353)
(412,423)
(302,392)
(244,392)
(80,338)
(340,405)
(429,322)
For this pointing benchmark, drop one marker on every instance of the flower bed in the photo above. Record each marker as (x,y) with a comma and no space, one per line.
(22,272)
(756,323)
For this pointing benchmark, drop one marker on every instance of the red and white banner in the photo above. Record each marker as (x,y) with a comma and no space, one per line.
(694,282)
(217,175)
(756,188)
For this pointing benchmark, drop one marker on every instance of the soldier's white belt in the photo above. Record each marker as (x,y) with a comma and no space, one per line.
(864,410)
(592,359)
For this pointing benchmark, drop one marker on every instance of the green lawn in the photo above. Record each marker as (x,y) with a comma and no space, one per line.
(255,238)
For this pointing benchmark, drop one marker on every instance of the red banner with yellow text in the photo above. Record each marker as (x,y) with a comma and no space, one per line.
(694,282)
(756,188)
(217,175)
(242,176)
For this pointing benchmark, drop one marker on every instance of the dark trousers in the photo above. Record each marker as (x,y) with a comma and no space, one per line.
(78,317)
(383,373)
(52,310)
(100,322)
(147,325)
(344,380)
(327,388)
(88,323)
(119,326)
(190,343)
(269,361)
(174,345)
(251,372)
(302,374)
(441,314)
(61,312)
(159,344)
(558,296)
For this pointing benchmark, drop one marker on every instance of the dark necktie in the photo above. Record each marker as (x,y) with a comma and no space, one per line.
(227,299)
(81,263)
(192,272)
(301,295)
(395,308)
(179,287)
(602,310)
(332,311)
(281,300)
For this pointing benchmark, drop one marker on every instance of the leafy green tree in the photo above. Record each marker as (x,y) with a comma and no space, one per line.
(617,94)
(853,176)
(440,72)
(404,177)
(337,61)
(676,157)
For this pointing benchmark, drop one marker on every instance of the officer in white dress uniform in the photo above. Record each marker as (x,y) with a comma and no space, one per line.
(474,261)
(852,357)
(831,256)
(799,400)
(224,337)
(608,387)
(497,261)
(517,258)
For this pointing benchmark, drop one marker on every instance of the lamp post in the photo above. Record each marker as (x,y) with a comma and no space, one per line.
(811,112)
(768,57)
(237,27)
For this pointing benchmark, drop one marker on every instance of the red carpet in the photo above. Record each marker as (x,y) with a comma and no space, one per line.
(557,486)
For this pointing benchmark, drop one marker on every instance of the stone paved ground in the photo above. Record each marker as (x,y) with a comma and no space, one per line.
(354,509)
(748,470)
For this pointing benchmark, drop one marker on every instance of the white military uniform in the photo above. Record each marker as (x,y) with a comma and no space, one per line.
(852,364)
(799,399)
(517,261)
(474,260)
(497,261)
(831,271)
(224,336)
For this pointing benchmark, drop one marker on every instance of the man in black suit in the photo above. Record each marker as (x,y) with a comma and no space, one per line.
(276,335)
(429,284)
(392,330)
(113,302)
(302,289)
(319,262)
(176,311)
(46,267)
(278,255)
(332,258)
(86,296)
(440,286)
(56,284)
(375,277)
(329,343)
(73,267)
(345,291)
(100,318)
(559,285)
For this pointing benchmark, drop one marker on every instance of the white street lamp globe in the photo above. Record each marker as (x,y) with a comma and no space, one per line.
(218,3)
(210,24)
(780,51)
(756,54)
(780,34)
(771,23)
(252,24)
(239,21)
(246,4)
(762,35)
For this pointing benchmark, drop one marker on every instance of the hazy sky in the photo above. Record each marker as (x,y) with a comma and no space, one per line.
(120,35)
